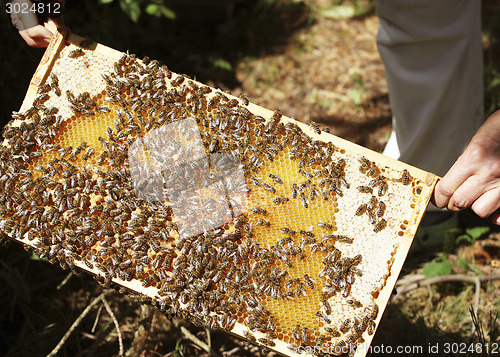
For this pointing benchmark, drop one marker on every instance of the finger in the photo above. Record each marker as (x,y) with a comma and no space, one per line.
(495,219)
(467,193)
(37,36)
(454,178)
(487,203)
(24,20)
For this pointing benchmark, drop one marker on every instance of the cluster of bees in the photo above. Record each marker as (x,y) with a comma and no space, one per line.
(166,199)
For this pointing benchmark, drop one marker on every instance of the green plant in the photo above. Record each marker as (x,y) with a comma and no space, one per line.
(134,8)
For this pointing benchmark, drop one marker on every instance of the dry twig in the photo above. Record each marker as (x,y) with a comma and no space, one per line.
(197,341)
(75,325)
(115,321)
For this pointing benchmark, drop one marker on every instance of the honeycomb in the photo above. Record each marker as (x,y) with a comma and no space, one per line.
(214,208)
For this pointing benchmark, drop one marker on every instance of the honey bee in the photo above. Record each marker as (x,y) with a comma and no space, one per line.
(266,341)
(406,177)
(259,210)
(249,336)
(323,317)
(376,181)
(382,189)
(370,329)
(380,225)
(304,200)
(254,180)
(325,306)
(380,209)
(76,53)
(306,173)
(276,178)
(310,282)
(364,189)
(295,191)
(361,209)
(262,222)
(287,230)
(345,325)
(352,301)
(244,99)
(324,225)
(269,188)
(305,335)
(373,202)
(332,331)
(314,127)
(280,200)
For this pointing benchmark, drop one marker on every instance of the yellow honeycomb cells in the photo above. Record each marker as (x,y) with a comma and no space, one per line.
(269,258)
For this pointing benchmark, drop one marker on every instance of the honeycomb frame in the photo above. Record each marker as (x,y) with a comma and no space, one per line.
(419,191)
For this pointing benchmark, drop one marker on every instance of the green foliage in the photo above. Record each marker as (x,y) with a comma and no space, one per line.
(472,234)
(133,8)
(437,268)
(178,348)
(357,94)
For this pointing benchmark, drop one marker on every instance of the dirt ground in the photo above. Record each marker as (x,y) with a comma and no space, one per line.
(330,73)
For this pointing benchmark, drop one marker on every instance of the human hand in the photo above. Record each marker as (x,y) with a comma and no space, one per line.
(30,23)
(474,180)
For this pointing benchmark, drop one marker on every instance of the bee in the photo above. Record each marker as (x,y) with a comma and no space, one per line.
(262,222)
(76,53)
(43,89)
(280,200)
(259,210)
(249,336)
(352,301)
(306,173)
(312,193)
(364,189)
(376,181)
(266,341)
(324,225)
(373,310)
(373,202)
(332,331)
(305,335)
(177,81)
(304,185)
(380,209)
(102,109)
(370,329)
(323,317)
(406,177)
(295,191)
(304,200)
(254,180)
(325,306)
(307,233)
(276,178)
(269,188)
(380,225)
(345,325)
(244,99)
(314,127)
(310,282)
(361,209)
(382,189)
(287,230)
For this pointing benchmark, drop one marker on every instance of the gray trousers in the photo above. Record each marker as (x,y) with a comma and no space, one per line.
(432,53)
